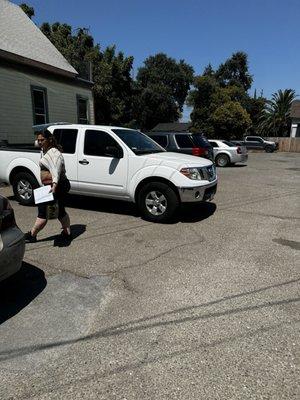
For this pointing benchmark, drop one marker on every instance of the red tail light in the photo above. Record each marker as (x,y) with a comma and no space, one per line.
(239,150)
(198,151)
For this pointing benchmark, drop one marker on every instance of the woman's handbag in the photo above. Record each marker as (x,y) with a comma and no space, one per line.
(52,210)
(46,177)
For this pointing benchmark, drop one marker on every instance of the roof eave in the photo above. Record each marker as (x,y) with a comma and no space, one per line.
(36,64)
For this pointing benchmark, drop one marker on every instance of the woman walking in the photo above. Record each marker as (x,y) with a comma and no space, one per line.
(53,173)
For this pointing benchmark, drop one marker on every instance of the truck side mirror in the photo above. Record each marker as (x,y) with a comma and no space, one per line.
(114,151)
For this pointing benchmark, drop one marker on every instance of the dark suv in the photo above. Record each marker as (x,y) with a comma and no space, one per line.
(184,142)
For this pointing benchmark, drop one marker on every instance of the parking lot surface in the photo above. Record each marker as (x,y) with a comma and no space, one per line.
(204,308)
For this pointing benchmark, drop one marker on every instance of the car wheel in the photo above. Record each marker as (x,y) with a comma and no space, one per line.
(157,202)
(23,186)
(269,149)
(222,160)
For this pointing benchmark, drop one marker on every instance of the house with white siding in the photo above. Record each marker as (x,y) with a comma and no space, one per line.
(295,116)
(37,84)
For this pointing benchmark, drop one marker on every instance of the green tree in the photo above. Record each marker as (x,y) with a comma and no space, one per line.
(230,120)
(152,105)
(165,71)
(235,71)
(113,85)
(275,119)
(29,11)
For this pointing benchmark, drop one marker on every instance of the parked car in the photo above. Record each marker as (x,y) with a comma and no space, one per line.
(117,163)
(257,142)
(12,244)
(226,153)
(185,142)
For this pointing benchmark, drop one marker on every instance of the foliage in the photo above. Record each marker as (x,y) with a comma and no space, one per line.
(154,104)
(166,71)
(235,71)
(112,87)
(230,119)
(223,94)
(29,11)
(275,120)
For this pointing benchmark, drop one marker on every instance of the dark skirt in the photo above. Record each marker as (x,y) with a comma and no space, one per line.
(60,195)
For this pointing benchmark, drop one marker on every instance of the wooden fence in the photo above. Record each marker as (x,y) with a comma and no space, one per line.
(287,144)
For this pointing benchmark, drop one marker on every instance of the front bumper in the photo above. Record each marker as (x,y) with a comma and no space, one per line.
(198,193)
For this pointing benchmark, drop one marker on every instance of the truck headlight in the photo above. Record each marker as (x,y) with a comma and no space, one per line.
(191,173)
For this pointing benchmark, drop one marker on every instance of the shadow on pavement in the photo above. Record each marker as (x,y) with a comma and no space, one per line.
(195,212)
(76,230)
(102,205)
(19,290)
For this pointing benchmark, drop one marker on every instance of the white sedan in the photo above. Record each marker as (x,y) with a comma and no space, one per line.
(226,153)
(12,243)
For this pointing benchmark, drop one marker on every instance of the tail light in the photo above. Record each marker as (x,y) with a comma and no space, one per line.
(239,150)
(7,217)
(199,151)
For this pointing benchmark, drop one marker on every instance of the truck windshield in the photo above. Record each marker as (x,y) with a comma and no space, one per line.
(138,142)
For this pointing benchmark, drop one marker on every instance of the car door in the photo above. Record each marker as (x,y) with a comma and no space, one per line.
(67,138)
(184,143)
(99,172)
(253,142)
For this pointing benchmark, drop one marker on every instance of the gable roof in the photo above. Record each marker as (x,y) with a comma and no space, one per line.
(295,109)
(172,127)
(22,41)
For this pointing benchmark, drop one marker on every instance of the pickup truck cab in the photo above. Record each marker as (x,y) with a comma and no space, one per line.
(258,143)
(117,163)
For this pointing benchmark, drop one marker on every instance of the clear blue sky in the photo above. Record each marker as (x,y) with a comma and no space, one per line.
(197,31)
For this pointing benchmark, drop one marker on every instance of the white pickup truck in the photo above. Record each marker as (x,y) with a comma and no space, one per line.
(117,163)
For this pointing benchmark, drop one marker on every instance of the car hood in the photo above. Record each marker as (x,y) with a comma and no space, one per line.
(178,160)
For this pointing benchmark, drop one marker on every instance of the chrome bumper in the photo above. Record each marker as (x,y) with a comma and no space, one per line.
(198,193)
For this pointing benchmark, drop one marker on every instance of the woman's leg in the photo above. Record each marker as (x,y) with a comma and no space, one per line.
(65,224)
(38,226)
(63,216)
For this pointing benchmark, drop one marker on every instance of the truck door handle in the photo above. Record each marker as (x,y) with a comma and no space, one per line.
(84,162)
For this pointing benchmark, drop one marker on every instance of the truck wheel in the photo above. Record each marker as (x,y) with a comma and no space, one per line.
(222,160)
(157,202)
(23,185)
(269,149)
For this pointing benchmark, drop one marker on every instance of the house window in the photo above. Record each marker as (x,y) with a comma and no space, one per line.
(82,110)
(39,105)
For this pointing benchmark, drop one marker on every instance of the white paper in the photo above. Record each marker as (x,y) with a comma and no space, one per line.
(42,195)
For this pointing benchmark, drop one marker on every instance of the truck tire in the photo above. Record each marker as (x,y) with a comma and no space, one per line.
(269,149)
(23,185)
(222,160)
(157,202)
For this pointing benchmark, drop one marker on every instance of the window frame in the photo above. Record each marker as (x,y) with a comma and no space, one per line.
(45,95)
(100,132)
(161,136)
(60,136)
(183,135)
(86,99)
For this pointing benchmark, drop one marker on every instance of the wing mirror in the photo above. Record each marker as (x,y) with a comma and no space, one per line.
(114,151)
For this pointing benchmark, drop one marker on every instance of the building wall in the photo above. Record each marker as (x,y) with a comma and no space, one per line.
(295,128)
(16,114)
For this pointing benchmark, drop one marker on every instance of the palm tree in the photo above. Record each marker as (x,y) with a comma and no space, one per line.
(275,119)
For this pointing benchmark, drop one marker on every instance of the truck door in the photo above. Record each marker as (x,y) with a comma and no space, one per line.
(67,138)
(98,171)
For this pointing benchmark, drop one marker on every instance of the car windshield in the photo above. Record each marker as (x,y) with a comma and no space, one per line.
(230,144)
(138,142)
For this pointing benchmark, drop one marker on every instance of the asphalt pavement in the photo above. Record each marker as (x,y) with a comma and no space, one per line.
(204,308)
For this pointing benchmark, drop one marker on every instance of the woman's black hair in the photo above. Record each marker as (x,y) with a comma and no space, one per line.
(51,140)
